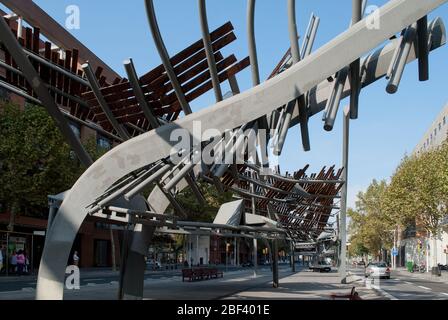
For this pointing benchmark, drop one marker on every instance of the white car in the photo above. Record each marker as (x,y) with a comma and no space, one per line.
(152,264)
(377,270)
(321,266)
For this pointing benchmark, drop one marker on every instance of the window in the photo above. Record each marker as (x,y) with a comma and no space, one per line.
(435,132)
(103,143)
(444,120)
(440,126)
(76,129)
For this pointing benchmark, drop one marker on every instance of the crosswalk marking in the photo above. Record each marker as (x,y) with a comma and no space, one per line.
(426,288)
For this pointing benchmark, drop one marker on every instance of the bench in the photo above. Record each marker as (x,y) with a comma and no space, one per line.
(201,274)
(352,296)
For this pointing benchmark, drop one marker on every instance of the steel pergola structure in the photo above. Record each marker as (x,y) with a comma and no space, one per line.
(143,111)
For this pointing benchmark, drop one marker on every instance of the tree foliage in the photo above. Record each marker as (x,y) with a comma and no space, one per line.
(369,225)
(198,212)
(417,194)
(419,190)
(34,160)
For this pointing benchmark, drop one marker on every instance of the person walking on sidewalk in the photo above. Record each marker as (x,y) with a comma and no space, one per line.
(75,258)
(13,265)
(20,262)
(1,260)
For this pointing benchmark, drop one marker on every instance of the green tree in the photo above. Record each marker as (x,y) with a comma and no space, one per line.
(204,213)
(370,227)
(418,191)
(35,161)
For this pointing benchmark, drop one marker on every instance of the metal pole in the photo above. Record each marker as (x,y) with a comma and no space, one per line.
(275,282)
(343,221)
(234,251)
(122,132)
(355,67)
(255,257)
(14,48)
(164,56)
(19,27)
(400,63)
(252,42)
(7,253)
(293,261)
(139,94)
(423,49)
(124,259)
(209,50)
(197,249)
(295,52)
(31,265)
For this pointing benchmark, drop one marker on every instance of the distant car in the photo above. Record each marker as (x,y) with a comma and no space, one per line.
(247,264)
(377,270)
(321,266)
(152,264)
(360,263)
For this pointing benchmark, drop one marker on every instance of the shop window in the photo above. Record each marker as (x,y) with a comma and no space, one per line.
(103,143)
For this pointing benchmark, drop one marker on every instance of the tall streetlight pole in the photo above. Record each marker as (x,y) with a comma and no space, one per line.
(343,214)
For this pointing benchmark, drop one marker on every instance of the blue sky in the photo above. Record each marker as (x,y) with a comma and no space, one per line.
(388,127)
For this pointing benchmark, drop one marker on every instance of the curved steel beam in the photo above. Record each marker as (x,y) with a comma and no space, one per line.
(252,44)
(265,98)
(295,52)
(164,56)
(209,50)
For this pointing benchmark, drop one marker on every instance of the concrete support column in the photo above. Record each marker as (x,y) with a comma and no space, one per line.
(234,251)
(124,261)
(293,262)
(255,257)
(197,249)
(275,282)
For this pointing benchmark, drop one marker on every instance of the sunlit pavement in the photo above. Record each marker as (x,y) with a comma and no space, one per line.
(239,284)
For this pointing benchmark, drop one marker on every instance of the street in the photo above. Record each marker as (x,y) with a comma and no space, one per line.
(406,286)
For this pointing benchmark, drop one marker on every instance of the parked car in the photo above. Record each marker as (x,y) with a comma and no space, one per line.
(321,266)
(154,265)
(377,269)
(360,263)
(247,264)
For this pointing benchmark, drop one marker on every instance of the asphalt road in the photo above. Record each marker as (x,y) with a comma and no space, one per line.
(403,287)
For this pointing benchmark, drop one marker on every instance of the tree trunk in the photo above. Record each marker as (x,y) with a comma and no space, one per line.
(12,216)
(112,244)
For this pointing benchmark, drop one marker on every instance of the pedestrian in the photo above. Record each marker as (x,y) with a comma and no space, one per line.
(13,260)
(27,265)
(1,260)
(75,258)
(20,262)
